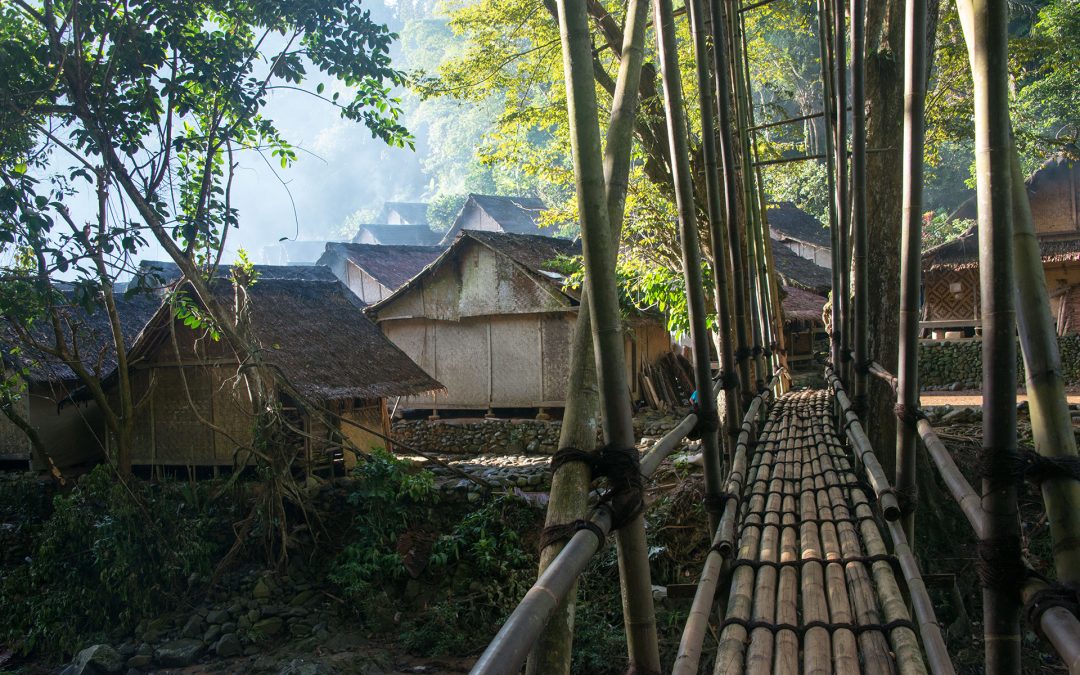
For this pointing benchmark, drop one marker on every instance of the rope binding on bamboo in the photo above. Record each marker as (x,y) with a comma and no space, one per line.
(556,533)
(1054,595)
(621,466)
(909,415)
(999,564)
(802,629)
(1012,465)
(728,381)
(743,353)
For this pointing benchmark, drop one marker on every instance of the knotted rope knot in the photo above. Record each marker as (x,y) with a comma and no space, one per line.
(707,422)
(743,353)
(906,498)
(756,351)
(1066,596)
(1000,565)
(728,381)
(909,416)
(556,533)
(863,367)
(716,503)
(621,466)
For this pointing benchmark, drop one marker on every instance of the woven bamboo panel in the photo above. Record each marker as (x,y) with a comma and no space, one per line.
(233,413)
(943,303)
(180,437)
(812,588)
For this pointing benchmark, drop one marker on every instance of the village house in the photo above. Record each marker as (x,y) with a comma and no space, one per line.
(800,232)
(950,270)
(291,252)
(336,371)
(403,213)
(492,320)
(373,272)
(396,235)
(73,433)
(490,213)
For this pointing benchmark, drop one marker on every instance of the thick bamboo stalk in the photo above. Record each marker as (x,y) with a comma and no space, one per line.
(719,263)
(969,501)
(830,164)
(861,314)
(722,74)
(1001,545)
(570,485)
(599,245)
(843,191)
(679,144)
(911,246)
(507,651)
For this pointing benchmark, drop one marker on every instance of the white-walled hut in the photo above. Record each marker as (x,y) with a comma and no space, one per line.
(373,272)
(492,320)
(799,232)
(195,410)
(73,433)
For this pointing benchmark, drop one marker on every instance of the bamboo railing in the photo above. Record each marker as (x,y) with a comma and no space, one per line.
(510,647)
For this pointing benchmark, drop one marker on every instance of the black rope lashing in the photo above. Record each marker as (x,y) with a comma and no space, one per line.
(1054,595)
(728,381)
(622,469)
(863,367)
(556,533)
(756,351)
(999,564)
(1004,465)
(801,562)
(743,353)
(716,503)
(908,415)
(802,629)
(708,422)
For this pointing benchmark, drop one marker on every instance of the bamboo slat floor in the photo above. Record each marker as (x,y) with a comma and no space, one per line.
(813,589)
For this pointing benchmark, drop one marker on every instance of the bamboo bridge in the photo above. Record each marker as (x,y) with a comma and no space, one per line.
(811,567)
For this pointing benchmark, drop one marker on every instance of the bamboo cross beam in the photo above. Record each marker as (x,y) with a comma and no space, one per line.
(878,371)
(1060,627)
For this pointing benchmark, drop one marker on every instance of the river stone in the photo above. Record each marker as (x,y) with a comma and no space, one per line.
(139,661)
(193,628)
(269,627)
(212,633)
(228,646)
(179,653)
(261,590)
(217,616)
(302,598)
(97,658)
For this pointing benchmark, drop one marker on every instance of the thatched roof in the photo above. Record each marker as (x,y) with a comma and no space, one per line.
(1050,172)
(802,305)
(530,252)
(391,266)
(788,221)
(316,335)
(963,252)
(794,270)
(169,272)
(413,213)
(92,337)
(398,235)
(517,215)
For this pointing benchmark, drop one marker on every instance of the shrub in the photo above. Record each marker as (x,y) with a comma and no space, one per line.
(111,554)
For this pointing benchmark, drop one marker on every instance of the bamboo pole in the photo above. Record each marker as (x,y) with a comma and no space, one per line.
(570,485)
(830,164)
(599,246)
(842,194)
(508,649)
(1060,626)
(1000,547)
(861,314)
(678,141)
(722,74)
(721,273)
(907,394)
(966,498)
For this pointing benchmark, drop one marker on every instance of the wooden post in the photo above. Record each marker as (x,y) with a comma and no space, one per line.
(600,244)
(842,188)
(830,164)
(907,392)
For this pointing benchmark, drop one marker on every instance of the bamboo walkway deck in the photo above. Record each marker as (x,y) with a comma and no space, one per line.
(813,587)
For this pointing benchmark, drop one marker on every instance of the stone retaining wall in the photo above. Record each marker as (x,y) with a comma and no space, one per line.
(502,436)
(958,365)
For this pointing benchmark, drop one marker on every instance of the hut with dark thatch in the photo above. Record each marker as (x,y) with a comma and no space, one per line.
(492,319)
(804,325)
(404,234)
(73,433)
(491,213)
(800,232)
(372,272)
(334,368)
(951,307)
(403,213)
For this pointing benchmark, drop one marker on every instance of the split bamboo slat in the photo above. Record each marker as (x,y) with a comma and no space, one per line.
(813,588)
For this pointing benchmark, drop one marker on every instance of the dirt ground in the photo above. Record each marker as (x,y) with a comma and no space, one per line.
(930,398)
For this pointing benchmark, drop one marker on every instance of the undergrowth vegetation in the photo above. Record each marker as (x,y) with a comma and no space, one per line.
(98,559)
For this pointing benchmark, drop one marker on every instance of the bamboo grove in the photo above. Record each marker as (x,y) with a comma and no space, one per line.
(807,524)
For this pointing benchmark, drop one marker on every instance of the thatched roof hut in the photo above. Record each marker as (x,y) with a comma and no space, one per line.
(404,234)
(797,271)
(802,305)
(412,213)
(491,213)
(374,272)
